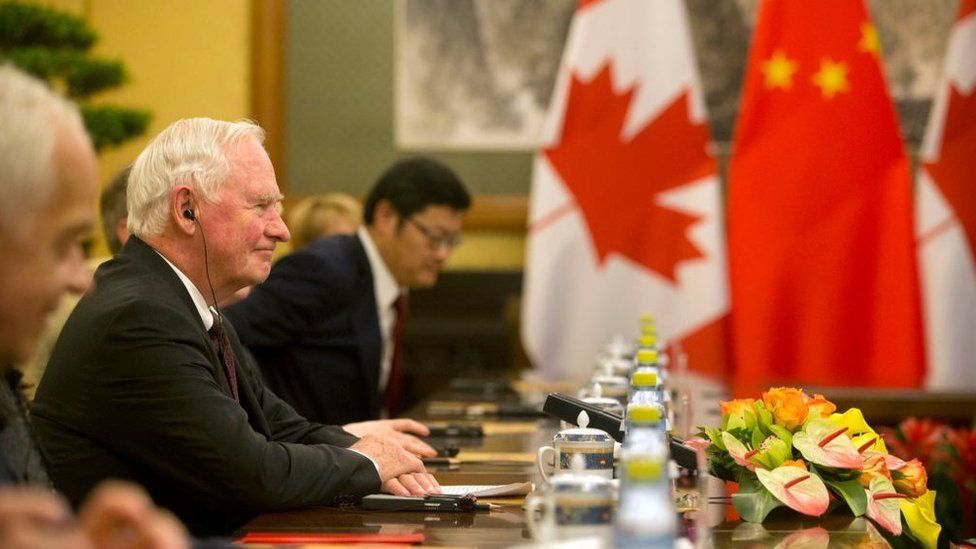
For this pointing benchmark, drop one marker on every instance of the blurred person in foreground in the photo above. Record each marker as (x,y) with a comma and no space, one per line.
(149,383)
(327,326)
(113,220)
(48,173)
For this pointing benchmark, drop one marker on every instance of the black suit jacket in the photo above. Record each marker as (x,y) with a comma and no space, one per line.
(314,331)
(134,390)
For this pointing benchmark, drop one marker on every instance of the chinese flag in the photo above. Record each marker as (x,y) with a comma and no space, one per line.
(946,220)
(822,263)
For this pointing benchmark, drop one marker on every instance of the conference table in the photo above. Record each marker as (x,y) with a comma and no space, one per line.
(505,455)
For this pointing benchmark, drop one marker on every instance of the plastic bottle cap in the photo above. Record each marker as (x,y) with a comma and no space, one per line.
(644,379)
(646,356)
(640,468)
(648,329)
(644,414)
(647,340)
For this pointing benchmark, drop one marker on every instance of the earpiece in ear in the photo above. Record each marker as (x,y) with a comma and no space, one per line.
(188,214)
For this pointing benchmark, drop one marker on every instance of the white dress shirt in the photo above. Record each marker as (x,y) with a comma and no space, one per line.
(206,313)
(386,291)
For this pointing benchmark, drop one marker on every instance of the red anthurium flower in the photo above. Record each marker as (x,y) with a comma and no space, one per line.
(883,507)
(798,489)
(824,444)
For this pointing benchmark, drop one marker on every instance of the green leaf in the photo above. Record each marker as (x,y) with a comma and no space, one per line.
(752,501)
(720,463)
(715,436)
(757,438)
(782,433)
(851,492)
(765,417)
(733,421)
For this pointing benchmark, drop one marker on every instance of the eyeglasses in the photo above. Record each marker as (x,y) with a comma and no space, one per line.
(434,239)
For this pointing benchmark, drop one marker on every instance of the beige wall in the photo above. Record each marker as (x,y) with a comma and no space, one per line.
(193,58)
(184,57)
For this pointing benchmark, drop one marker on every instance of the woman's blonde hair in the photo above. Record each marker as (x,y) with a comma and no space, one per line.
(322,215)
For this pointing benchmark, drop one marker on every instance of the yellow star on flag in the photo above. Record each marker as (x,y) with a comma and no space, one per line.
(779,71)
(831,78)
(870,42)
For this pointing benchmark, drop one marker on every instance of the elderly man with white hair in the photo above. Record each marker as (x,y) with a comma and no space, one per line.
(148,383)
(48,175)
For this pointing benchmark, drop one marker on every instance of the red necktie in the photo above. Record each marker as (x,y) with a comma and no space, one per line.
(393,398)
(225,354)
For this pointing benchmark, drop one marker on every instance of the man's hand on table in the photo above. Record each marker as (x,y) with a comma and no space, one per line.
(412,484)
(398,431)
(402,473)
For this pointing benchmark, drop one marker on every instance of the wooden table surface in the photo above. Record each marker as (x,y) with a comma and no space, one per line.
(505,525)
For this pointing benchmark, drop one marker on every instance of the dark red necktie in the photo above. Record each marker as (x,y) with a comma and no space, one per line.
(393,398)
(219,338)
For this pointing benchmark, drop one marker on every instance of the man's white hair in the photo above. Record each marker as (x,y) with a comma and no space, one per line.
(189,152)
(31,116)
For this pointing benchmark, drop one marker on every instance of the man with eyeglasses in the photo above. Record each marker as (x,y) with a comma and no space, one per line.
(327,324)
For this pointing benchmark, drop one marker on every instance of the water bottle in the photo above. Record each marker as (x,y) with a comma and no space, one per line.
(646,516)
(646,388)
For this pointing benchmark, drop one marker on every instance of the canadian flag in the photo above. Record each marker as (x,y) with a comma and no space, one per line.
(946,215)
(625,214)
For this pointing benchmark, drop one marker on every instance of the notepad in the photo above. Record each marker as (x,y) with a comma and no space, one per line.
(489,490)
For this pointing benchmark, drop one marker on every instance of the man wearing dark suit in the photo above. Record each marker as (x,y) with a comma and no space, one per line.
(325,327)
(147,382)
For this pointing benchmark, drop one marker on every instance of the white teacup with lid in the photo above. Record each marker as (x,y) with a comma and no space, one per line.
(595,448)
(612,385)
(595,397)
(574,504)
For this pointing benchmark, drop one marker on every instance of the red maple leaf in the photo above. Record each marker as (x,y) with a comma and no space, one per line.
(616,183)
(955,170)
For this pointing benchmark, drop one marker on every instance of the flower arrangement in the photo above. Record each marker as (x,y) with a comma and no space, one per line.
(949,456)
(791,449)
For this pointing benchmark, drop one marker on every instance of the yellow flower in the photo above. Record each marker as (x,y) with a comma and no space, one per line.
(911,479)
(820,406)
(919,513)
(787,405)
(794,463)
(853,419)
(859,430)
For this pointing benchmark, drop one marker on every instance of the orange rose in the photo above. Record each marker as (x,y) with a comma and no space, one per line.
(738,407)
(911,479)
(820,406)
(788,406)
(874,466)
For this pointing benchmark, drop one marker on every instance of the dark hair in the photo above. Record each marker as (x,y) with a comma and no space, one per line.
(412,184)
(112,203)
